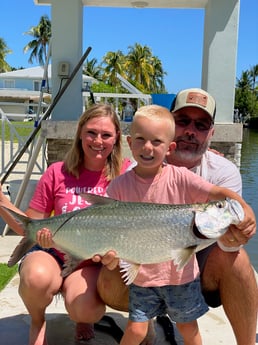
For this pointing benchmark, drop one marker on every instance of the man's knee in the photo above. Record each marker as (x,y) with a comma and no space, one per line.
(112,289)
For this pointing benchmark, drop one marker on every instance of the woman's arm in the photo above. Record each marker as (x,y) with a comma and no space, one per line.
(9,220)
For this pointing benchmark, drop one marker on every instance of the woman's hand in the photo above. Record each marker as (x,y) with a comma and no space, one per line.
(44,238)
(109,260)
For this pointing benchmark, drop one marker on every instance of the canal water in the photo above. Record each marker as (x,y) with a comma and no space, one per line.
(249,173)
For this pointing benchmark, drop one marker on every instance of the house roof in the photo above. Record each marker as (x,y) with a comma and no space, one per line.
(35,73)
(28,73)
(9,95)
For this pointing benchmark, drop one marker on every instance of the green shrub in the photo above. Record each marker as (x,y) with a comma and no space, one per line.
(6,274)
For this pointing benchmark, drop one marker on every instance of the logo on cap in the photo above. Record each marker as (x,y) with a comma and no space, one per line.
(197,98)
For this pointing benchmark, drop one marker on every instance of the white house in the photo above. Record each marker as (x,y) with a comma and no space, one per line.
(20,90)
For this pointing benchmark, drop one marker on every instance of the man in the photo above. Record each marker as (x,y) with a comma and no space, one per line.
(226,273)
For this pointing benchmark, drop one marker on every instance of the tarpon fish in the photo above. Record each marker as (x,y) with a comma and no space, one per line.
(140,233)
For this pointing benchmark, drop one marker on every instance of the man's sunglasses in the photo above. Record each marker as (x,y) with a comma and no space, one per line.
(201,125)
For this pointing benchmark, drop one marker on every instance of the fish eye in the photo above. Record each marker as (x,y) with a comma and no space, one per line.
(219,204)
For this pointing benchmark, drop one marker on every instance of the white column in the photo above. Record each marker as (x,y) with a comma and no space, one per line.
(220,54)
(67,31)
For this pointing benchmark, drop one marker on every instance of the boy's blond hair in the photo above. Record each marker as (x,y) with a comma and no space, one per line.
(156,112)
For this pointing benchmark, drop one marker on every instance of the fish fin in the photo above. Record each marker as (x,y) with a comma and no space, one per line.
(181,256)
(71,262)
(204,244)
(21,249)
(129,271)
(97,199)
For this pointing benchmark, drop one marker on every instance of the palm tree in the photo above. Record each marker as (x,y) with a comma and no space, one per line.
(244,95)
(91,69)
(114,62)
(138,66)
(245,81)
(4,50)
(39,45)
(254,76)
(157,84)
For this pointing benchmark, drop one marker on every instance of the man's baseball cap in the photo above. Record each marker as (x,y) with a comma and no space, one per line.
(195,98)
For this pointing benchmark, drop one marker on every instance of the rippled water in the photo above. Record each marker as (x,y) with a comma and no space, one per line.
(249,172)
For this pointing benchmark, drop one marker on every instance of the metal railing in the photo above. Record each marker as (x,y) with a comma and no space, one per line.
(10,148)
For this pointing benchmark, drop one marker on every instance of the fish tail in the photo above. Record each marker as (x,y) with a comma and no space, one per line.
(23,246)
(26,243)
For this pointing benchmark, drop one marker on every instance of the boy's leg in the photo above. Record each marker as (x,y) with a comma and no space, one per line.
(190,333)
(135,333)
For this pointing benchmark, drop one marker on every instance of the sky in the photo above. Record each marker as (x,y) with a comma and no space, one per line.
(164,31)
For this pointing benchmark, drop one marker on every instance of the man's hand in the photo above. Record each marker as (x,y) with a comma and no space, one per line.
(237,236)
(109,260)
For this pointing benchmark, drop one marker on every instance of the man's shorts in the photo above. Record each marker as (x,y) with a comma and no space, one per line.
(183,303)
(212,298)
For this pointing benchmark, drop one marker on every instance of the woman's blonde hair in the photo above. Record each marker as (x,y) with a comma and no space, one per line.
(74,158)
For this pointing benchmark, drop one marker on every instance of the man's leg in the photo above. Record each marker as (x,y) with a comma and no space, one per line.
(233,275)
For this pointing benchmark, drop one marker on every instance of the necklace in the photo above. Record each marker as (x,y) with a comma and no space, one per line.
(146,188)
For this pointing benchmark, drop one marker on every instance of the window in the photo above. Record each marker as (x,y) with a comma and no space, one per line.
(9,84)
(37,85)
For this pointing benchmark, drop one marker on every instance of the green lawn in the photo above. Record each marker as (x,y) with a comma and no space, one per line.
(6,274)
(23,129)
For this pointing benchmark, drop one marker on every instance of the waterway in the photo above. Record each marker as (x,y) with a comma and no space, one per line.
(249,173)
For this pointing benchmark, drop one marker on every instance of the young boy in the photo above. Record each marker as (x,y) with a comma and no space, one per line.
(160,288)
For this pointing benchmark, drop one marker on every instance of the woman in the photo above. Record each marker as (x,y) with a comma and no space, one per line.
(94,159)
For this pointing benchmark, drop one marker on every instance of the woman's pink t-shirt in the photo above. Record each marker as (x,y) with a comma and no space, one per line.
(60,192)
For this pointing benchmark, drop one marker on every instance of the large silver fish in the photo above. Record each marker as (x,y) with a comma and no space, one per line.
(140,233)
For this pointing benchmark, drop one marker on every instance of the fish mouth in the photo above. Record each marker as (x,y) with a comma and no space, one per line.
(237,210)
(198,234)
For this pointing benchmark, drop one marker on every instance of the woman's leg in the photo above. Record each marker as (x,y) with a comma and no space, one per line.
(40,280)
(82,300)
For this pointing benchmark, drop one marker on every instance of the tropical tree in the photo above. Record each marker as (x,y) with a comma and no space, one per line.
(245,97)
(4,50)
(254,76)
(157,82)
(113,62)
(41,39)
(91,69)
(139,66)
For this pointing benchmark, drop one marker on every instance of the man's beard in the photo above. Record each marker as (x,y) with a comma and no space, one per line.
(189,150)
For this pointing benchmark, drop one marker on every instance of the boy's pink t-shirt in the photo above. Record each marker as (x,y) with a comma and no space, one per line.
(173,186)
(60,192)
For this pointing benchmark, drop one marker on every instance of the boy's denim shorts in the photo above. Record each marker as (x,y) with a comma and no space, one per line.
(183,303)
